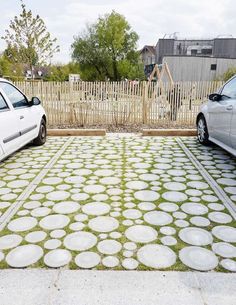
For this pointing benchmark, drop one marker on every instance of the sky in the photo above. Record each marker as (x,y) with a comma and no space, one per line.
(151,19)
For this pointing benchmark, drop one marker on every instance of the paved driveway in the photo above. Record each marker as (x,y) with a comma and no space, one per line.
(119,202)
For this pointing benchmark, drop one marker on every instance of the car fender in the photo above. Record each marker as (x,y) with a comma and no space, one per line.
(204,111)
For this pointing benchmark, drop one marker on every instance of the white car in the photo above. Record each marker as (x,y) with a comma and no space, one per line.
(216,121)
(21,120)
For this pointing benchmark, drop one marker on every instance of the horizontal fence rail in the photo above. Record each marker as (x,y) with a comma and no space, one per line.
(120,103)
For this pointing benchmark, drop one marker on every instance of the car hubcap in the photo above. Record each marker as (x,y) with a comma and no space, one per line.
(43,131)
(201,130)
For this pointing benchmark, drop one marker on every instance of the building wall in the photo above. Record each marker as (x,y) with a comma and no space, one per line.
(224,47)
(164,47)
(191,68)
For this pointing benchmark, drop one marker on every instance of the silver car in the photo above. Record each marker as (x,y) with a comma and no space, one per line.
(216,120)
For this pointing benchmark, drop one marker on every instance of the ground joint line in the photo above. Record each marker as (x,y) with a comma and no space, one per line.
(11,211)
(227,202)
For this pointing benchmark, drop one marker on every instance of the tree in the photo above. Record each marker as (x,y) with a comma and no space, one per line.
(28,41)
(229,73)
(108,49)
(61,72)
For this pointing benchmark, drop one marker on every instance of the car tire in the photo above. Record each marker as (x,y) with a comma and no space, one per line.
(41,138)
(202,131)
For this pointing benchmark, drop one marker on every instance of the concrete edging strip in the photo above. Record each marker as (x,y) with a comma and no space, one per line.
(11,211)
(76,132)
(228,203)
(169,132)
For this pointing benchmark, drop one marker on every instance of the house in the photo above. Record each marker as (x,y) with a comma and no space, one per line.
(148,57)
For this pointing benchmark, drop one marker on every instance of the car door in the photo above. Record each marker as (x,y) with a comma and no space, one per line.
(9,128)
(23,110)
(233,126)
(221,114)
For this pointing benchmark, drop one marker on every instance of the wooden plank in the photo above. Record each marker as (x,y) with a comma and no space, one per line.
(169,132)
(76,132)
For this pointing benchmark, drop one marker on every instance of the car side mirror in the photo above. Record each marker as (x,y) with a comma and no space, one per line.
(215,97)
(35,101)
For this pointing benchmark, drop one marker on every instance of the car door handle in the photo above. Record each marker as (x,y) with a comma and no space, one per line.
(230,107)
(22,117)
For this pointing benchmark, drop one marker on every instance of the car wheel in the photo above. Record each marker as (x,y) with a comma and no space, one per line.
(41,138)
(202,131)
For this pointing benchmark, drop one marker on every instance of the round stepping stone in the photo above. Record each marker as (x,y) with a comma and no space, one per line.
(130,263)
(193,208)
(40,212)
(141,165)
(168,206)
(168,241)
(100,197)
(156,256)
(225,233)
(94,189)
(141,234)
(228,264)
(4,205)
(109,246)
(174,196)
(80,241)
(52,180)
(227,181)
(52,244)
(195,236)
(167,230)
(158,218)
(53,222)
(146,206)
(130,246)
(96,208)
(216,206)
(103,224)
(22,224)
(57,258)
(75,179)
(1,256)
(114,191)
(110,180)
(175,186)
(110,261)
(200,221)
(81,217)
(115,235)
(181,223)
(149,177)
(198,258)
(77,226)
(10,241)
(146,195)
(18,183)
(80,197)
(58,195)
(66,207)
(137,185)
(220,217)
(198,185)
(224,249)
(193,192)
(87,260)
(132,214)
(104,173)
(209,198)
(32,205)
(176,173)
(24,256)
(35,237)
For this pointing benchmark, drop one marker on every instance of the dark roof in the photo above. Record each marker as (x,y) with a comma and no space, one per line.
(151,49)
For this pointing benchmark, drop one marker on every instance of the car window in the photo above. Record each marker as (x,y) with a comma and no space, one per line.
(15,96)
(3,104)
(230,89)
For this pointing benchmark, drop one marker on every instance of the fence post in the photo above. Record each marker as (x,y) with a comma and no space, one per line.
(144,101)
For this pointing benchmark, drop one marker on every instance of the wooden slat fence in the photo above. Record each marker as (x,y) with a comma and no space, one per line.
(115,103)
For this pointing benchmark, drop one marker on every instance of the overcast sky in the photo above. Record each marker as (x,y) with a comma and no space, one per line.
(151,19)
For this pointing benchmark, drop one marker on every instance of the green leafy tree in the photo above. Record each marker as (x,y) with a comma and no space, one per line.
(229,73)
(108,50)
(28,41)
(61,72)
